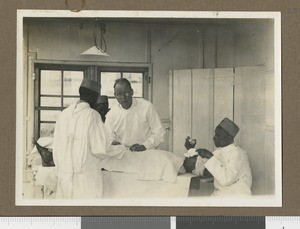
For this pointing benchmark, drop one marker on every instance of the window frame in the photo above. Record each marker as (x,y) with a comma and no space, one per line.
(97,68)
(37,93)
(122,70)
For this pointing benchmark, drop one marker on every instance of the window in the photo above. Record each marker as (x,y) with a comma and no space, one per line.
(108,79)
(56,87)
(56,90)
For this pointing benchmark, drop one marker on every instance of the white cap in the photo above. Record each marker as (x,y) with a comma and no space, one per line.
(230,127)
(90,84)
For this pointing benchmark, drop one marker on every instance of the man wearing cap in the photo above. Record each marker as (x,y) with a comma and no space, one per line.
(80,142)
(228,164)
(102,106)
(133,122)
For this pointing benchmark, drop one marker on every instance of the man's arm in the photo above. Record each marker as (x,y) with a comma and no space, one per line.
(56,144)
(204,153)
(100,143)
(225,173)
(111,135)
(156,129)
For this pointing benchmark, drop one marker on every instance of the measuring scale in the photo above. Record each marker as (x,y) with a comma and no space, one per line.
(205,222)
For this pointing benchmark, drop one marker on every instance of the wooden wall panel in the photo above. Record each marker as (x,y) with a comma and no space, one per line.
(202,107)
(223,95)
(182,103)
(250,116)
(200,101)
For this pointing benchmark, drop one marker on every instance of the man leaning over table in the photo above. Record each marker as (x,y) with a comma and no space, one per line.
(133,122)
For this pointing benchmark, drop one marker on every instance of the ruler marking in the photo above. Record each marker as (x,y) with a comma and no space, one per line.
(181,222)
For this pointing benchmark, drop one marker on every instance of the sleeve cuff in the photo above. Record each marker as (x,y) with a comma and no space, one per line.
(212,163)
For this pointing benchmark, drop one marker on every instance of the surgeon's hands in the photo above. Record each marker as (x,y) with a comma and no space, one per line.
(114,143)
(190,143)
(134,147)
(137,147)
(204,153)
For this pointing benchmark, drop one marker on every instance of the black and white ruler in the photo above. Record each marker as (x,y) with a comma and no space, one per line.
(199,222)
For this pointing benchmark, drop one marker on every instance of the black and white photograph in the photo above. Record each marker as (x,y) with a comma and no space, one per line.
(148,108)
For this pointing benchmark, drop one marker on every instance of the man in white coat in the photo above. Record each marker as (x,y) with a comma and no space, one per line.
(228,164)
(80,142)
(134,122)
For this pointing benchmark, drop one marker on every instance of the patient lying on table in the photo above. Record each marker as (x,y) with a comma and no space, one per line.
(149,165)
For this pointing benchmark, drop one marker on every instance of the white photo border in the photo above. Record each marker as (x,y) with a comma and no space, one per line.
(255,201)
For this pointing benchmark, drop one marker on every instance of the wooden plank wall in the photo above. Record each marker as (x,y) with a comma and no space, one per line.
(182,105)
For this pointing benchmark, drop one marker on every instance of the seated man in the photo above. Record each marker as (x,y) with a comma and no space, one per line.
(134,122)
(228,164)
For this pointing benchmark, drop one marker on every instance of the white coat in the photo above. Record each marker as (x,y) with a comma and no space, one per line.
(80,141)
(231,171)
(140,124)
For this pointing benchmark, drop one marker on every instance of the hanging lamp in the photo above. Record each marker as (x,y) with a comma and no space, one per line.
(97,50)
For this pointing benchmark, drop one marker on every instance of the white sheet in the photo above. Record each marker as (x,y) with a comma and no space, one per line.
(45,176)
(127,186)
(121,185)
(150,164)
(160,165)
(150,174)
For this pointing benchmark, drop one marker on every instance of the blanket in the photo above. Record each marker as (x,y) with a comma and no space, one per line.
(149,165)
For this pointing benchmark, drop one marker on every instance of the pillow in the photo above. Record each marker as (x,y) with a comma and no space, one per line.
(160,165)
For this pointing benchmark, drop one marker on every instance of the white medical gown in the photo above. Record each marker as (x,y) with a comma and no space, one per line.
(231,171)
(80,142)
(139,124)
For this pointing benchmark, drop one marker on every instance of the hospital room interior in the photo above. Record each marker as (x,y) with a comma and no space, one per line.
(195,71)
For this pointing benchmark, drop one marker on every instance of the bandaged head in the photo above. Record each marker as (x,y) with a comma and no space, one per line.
(191,153)
(198,162)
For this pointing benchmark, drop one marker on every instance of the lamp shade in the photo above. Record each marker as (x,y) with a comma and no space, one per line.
(94,51)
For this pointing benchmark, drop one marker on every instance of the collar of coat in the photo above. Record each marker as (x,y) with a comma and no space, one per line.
(80,105)
(226,148)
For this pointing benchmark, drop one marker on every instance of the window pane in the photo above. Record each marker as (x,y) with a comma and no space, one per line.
(136,80)
(107,82)
(49,115)
(50,82)
(72,81)
(69,101)
(47,129)
(50,101)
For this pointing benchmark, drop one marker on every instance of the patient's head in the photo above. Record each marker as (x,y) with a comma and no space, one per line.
(189,163)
